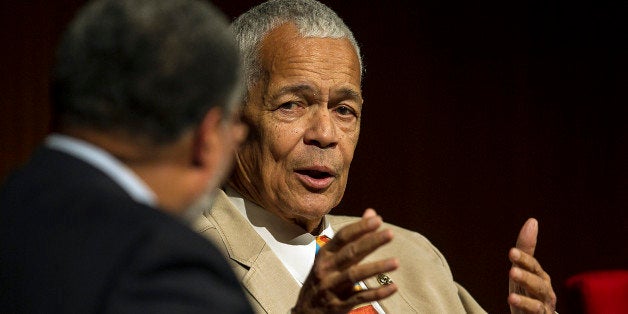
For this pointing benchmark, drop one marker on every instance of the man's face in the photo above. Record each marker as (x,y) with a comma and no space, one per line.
(305,119)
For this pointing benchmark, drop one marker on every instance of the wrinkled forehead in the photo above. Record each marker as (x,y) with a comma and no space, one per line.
(285,52)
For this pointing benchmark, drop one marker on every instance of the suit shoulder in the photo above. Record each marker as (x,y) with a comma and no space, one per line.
(338,221)
(404,240)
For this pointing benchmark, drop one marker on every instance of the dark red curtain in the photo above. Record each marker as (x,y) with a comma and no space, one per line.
(477,115)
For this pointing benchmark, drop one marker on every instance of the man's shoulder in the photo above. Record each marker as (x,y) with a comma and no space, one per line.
(52,177)
(70,204)
(339,221)
(164,255)
(72,218)
(405,241)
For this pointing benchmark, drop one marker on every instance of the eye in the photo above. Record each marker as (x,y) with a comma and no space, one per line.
(345,110)
(290,105)
(290,109)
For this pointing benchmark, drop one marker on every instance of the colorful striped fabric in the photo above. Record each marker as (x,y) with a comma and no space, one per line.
(320,241)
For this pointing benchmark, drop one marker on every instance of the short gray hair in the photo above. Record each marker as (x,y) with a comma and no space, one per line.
(312,19)
(150,68)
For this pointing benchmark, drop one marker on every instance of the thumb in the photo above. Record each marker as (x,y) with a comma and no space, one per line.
(368,213)
(526,241)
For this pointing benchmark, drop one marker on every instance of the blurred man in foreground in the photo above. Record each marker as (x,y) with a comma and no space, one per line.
(304,106)
(145,93)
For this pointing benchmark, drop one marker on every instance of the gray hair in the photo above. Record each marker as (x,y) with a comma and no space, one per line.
(150,68)
(312,19)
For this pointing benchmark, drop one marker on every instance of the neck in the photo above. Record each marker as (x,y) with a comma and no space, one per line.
(312,226)
(241,182)
(162,167)
(316,230)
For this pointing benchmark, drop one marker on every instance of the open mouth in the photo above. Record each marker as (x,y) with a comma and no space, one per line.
(315,174)
(316,178)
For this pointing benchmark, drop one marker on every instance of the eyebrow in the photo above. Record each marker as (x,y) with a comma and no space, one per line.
(347,93)
(295,89)
(304,88)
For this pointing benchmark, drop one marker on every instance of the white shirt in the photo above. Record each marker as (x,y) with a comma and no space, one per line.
(295,247)
(105,162)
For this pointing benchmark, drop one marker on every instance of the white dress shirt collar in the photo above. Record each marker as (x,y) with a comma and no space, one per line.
(294,246)
(105,162)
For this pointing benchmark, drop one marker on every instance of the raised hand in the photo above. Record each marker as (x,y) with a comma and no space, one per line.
(329,286)
(530,288)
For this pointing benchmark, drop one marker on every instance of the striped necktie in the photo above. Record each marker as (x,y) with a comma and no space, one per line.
(365,308)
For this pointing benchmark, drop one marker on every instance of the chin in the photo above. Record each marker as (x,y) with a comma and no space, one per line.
(315,213)
(316,206)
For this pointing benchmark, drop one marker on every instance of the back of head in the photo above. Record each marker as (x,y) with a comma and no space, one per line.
(311,18)
(149,69)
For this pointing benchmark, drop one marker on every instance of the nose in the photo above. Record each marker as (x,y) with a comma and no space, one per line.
(321,130)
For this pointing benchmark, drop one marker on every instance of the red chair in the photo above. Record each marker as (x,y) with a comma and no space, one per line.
(598,292)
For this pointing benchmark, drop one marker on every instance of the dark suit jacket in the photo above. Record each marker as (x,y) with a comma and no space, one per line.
(72,241)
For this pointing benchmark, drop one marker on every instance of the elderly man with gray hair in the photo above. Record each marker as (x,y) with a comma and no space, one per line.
(304,107)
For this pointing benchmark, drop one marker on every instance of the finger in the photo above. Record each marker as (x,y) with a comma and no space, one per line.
(527,305)
(370,295)
(527,262)
(345,280)
(355,251)
(526,241)
(534,285)
(369,212)
(354,231)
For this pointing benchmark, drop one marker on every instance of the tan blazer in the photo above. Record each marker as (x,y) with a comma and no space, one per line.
(424,280)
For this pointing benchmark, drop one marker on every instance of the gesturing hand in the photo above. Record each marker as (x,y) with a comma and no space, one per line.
(329,286)
(530,287)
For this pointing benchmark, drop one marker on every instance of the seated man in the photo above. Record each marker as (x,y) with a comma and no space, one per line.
(304,106)
(144,92)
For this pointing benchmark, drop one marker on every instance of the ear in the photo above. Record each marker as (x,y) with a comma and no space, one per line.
(209,145)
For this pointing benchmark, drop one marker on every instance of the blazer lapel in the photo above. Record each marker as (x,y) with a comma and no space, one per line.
(264,277)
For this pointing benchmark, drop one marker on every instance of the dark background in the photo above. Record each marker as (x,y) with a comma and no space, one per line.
(478,115)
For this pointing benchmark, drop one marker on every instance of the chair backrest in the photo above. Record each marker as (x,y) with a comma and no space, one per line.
(598,292)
